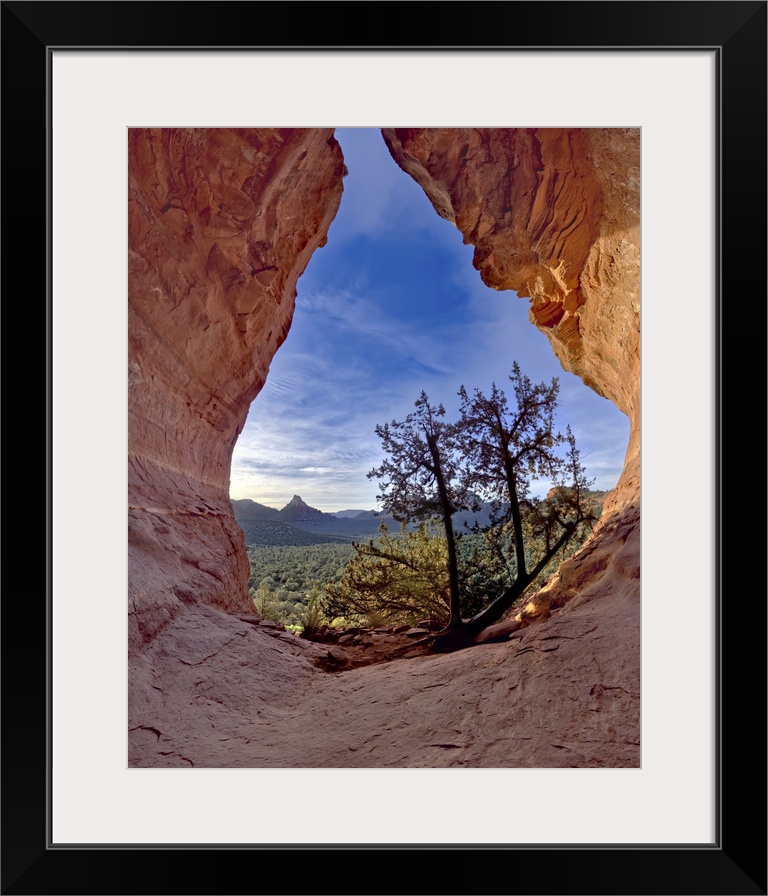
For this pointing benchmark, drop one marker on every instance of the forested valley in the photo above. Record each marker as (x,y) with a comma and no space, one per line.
(292,568)
(284,577)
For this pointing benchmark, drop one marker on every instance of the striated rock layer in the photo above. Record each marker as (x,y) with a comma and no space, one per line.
(554,214)
(221,224)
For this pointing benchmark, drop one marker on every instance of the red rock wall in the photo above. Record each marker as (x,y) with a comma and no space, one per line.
(221,224)
(554,214)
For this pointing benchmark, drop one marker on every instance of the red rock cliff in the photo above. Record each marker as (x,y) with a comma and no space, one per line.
(221,223)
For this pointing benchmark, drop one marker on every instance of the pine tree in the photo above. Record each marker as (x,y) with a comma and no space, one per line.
(397,577)
(421,479)
(495,451)
(508,446)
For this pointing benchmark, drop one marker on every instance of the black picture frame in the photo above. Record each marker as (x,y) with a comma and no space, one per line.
(736,862)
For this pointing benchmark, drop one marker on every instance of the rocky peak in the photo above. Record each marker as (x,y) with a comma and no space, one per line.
(297,511)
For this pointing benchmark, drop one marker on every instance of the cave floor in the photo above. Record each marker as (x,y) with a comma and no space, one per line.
(214,691)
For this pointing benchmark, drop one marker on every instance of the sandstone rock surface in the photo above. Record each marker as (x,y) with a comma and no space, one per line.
(217,692)
(221,224)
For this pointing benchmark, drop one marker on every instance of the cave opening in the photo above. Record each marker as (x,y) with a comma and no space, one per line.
(389,306)
(222,222)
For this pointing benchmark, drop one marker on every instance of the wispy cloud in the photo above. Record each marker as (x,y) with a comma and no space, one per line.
(363,322)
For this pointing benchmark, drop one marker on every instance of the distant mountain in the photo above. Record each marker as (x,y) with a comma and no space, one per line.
(355,524)
(295,511)
(298,511)
(245,509)
(370,515)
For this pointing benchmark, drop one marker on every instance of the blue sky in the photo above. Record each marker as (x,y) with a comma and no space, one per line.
(390,306)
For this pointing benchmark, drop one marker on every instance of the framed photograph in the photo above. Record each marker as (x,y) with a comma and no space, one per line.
(84,816)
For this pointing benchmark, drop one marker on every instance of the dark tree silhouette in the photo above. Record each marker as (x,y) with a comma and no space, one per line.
(421,479)
(495,451)
(507,447)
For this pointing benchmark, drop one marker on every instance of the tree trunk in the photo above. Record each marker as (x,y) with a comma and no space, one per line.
(517,522)
(495,610)
(447,510)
